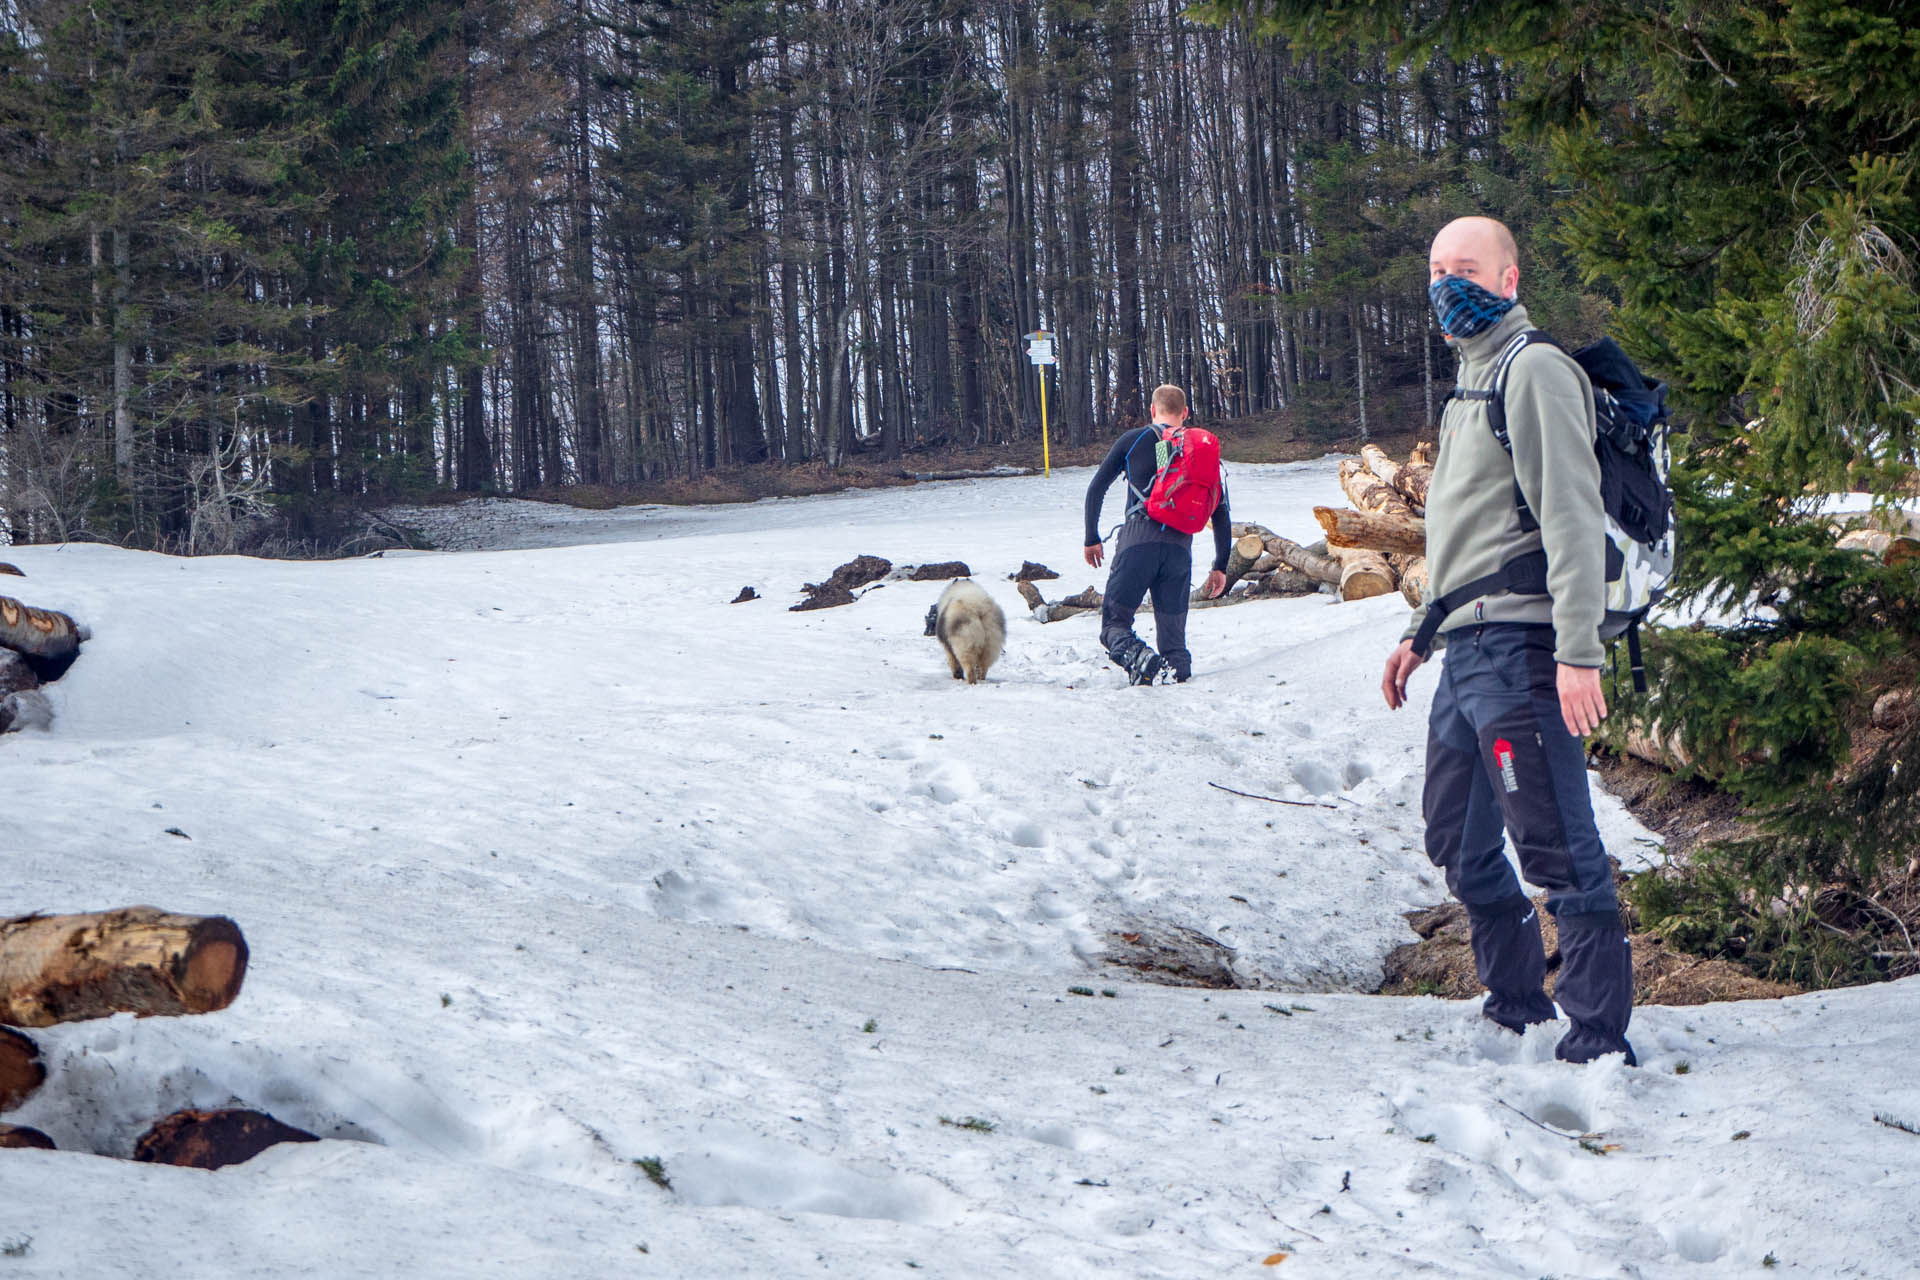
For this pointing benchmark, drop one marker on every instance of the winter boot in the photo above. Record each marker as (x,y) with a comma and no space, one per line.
(1595,989)
(1511,962)
(1133,656)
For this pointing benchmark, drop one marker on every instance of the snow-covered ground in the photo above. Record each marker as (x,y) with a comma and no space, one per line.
(552,859)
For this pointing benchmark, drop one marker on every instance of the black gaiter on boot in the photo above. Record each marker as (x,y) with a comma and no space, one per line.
(1510,961)
(1595,989)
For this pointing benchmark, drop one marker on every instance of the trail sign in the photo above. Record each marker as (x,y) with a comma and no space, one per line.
(1040,352)
(1040,348)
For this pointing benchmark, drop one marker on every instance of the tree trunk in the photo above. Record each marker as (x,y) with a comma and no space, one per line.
(136,960)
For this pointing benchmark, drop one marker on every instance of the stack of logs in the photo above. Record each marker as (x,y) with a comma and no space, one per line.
(36,648)
(56,969)
(1381,543)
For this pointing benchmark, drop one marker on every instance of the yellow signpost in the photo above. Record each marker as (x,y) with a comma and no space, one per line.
(1040,352)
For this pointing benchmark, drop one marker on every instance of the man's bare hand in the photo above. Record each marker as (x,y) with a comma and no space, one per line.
(1582,705)
(1096,554)
(1215,585)
(1400,664)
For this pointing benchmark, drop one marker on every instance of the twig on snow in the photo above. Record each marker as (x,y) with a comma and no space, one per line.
(1299,804)
(1540,1124)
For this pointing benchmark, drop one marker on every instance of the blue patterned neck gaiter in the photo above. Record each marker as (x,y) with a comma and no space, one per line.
(1463,308)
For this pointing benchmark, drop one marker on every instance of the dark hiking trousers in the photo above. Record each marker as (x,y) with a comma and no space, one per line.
(1166,570)
(1499,758)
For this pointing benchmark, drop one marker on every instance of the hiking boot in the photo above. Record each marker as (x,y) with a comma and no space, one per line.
(1144,666)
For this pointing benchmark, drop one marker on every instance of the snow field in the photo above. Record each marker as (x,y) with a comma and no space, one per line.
(552,860)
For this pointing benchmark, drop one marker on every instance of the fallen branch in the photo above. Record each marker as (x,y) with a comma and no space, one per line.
(1558,1133)
(1298,804)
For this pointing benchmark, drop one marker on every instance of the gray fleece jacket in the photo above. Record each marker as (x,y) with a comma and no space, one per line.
(1473,525)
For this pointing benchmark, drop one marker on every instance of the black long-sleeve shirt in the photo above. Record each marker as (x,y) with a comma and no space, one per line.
(1139,465)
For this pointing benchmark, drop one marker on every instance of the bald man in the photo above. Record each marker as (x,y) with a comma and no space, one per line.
(1516,592)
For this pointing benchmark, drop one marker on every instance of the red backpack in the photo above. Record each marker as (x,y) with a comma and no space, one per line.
(1186,487)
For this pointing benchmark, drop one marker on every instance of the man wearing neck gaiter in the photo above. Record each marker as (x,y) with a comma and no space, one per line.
(1516,590)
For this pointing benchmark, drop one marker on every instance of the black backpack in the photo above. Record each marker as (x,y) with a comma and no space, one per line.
(1631,445)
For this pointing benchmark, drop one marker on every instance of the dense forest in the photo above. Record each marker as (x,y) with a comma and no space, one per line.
(294,256)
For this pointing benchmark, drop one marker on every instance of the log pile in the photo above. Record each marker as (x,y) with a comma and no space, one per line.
(1378,542)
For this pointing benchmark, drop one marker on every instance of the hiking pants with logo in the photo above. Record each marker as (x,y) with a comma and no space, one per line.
(1166,570)
(1499,757)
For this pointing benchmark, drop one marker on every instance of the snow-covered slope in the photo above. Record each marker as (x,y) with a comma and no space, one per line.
(551,859)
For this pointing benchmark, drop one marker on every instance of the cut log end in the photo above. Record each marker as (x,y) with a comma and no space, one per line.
(216,965)
(21,1071)
(19,1137)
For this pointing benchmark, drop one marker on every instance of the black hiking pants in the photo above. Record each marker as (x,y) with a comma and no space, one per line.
(1164,569)
(1501,762)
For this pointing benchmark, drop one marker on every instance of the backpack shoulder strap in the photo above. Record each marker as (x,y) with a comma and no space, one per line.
(1136,500)
(1494,395)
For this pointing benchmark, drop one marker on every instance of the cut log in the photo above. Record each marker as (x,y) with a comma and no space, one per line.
(1422,454)
(16,673)
(1246,552)
(1412,482)
(1363,573)
(1324,568)
(11,570)
(38,633)
(1366,492)
(1890,547)
(137,960)
(19,1137)
(1241,528)
(214,1139)
(21,1071)
(1031,594)
(1282,582)
(1413,581)
(1657,746)
(1375,459)
(1894,709)
(1404,534)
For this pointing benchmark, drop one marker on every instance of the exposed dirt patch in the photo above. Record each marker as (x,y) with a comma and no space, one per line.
(838,589)
(1441,964)
(1682,812)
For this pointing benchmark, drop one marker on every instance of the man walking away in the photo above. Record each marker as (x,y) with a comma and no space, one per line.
(1521,683)
(1150,556)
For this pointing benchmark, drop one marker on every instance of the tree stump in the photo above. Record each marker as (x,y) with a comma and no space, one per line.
(137,960)
(21,1071)
(214,1139)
